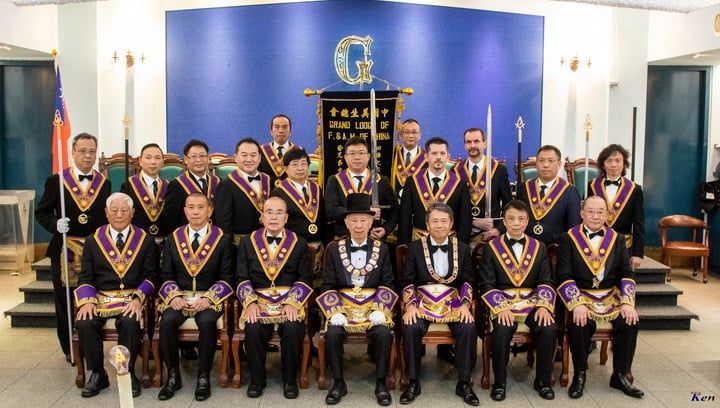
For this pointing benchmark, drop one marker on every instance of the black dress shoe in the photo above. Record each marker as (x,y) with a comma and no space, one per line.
(189,354)
(544,390)
(578,385)
(271,348)
(497,393)
(202,389)
(338,390)
(382,394)
(465,391)
(135,383)
(413,391)
(620,382)
(290,390)
(174,383)
(255,390)
(97,382)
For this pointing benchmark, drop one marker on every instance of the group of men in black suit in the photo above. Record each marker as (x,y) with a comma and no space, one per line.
(250,234)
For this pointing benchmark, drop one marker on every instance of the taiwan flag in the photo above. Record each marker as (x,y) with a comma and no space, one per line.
(61,124)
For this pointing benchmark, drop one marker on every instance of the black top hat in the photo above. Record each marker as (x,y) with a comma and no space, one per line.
(358,203)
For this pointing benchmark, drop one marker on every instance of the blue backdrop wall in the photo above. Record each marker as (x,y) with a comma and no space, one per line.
(229,70)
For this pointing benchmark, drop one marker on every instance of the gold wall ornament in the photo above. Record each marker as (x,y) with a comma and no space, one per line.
(342,63)
(574,63)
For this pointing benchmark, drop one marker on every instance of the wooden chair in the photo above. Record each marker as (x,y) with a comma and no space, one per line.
(352,338)
(691,248)
(238,339)
(189,332)
(113,168)
(576,173)
(314,170)
(173,166)
(528,168)
(438,333)
(224,166)
(109,333)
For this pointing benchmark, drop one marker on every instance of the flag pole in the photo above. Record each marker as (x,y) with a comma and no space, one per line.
(519,125)
(488,166)
(58,123)
(587,126)
(129,104)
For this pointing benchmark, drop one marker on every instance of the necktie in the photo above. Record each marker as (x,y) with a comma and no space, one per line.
(474,173)
(196,242)
(87,177)
(120,242)
(609,182)
(255,178)
(280,152)
(436,185)
(305,194)
(599,233)
(276,240)
(542,191)
(154,188)
(512,242)
(407,159)
(203,185)
(358,248)
(435,248)
(359,182)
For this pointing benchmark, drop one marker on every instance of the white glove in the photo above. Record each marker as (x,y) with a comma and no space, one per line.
(63,225)
(338,319)
(377,317)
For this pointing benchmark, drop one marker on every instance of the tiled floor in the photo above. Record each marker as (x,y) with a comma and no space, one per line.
(670,366)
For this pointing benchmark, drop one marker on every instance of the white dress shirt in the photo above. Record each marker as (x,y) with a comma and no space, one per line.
(202,232)
(149,181)
(440,258)
(517,247)
(611,190)
(255,184)
(114,234)
(84,183)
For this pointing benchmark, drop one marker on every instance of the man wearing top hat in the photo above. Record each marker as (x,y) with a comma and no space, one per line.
(437,284)
(119,270)
(357,296)
(196,275)
(273,275)
(517,286)
(85,193)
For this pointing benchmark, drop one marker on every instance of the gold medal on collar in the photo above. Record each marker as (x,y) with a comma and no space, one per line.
(83,218)
(154,229)
(475,211)
(312,228)
(538,229)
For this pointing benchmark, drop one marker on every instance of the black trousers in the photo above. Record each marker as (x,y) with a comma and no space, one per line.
(545,338)
(465,335)
(381,338)
(61,313)
(206,322)
(624,342)
(257,336)
(90,337)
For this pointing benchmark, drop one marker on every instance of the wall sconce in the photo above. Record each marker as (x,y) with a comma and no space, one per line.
(575,63)
(129,58)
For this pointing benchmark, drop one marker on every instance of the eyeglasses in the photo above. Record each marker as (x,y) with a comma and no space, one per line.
(83,152)
(410,132)
(298,163)
(195,157)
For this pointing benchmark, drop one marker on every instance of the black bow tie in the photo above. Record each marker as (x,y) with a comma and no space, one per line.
(444,248)
(512,242)
(358,248)
(251,178)
(87,177)
(591,235)
(609,182)
(276,240)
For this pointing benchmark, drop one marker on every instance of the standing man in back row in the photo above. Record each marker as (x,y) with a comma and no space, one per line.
(271,162)
(408,156)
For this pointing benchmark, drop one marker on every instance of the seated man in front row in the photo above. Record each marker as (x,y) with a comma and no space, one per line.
(197,274)
(598,284)
(273,276)
(437,287)
(357,296)
(517,286)
(119,270)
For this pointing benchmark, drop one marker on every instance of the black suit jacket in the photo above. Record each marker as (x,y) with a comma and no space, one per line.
(98,272)
(572,266)
(47,213)
(493,276)
(335,276)
(175,204)
(416,272)
(412,212)
(564,215)
(218,267)
(234,212)
(295,269)
(336,205)
(631,220)
(298,223)
(500,192)
(140,218)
